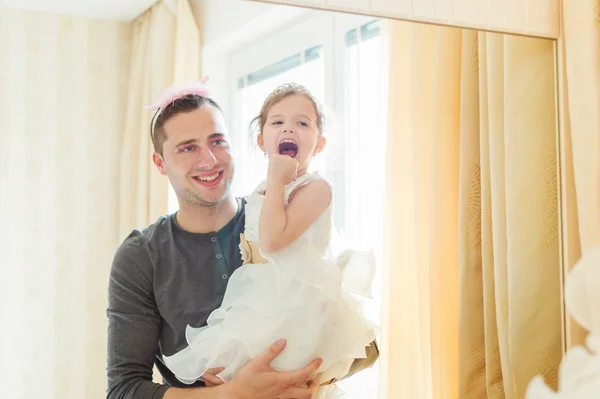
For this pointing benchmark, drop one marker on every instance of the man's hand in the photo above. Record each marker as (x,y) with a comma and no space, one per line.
(258,380)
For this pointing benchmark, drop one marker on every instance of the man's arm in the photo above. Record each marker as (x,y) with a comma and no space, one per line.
(134,329)
(133,324)
(358,365)
(220,392)
(372,352)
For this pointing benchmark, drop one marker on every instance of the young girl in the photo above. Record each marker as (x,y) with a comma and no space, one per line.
(288,287)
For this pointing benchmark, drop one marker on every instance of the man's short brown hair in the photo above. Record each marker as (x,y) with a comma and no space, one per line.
(187,103)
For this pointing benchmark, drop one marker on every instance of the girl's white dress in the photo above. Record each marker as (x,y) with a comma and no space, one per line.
(301,294)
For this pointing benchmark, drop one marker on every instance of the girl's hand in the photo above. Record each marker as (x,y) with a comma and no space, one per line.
(283,169)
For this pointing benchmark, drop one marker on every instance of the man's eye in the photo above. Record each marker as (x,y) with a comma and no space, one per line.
(221,143)
(187,148)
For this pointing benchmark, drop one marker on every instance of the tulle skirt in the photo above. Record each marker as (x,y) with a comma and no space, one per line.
(304,299)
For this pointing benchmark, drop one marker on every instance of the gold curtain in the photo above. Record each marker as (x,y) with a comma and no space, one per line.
(473,268)
(165,51)
(579,66)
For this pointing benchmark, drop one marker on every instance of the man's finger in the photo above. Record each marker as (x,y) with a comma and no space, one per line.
(304,374)
(212,380)
(215,370)
(270,354)
(313,386)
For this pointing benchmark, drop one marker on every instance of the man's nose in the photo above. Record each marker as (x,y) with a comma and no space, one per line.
(206,159)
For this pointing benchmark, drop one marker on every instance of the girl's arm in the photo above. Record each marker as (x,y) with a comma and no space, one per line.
(280,225)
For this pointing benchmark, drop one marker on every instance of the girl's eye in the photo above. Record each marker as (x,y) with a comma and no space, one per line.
(303,124)
(277,123)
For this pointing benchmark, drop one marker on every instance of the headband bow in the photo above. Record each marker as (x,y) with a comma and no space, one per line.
(173,94)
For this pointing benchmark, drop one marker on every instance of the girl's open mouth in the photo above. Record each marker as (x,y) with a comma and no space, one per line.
(289,148)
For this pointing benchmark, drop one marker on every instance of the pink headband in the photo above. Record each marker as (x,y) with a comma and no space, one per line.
(173,94)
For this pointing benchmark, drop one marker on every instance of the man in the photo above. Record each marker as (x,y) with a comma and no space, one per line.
(174,273)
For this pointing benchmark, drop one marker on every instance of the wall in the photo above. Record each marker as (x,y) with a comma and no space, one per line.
(62,90)
(229,24)
(105,9)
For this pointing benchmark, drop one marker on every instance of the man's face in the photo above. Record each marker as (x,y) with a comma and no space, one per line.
(196,157)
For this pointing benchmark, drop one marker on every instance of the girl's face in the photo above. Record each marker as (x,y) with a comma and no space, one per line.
(291,129)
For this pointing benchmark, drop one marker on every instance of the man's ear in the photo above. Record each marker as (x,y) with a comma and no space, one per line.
(159,162)
(321,141)
(260,141)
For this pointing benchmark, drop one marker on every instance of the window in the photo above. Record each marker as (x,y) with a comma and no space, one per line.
(339,59)
(361,222)
(364,138)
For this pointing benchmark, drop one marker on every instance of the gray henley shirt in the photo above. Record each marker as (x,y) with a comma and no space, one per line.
(162,279)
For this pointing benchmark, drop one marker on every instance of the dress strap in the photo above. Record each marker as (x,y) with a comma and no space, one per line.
(300,182)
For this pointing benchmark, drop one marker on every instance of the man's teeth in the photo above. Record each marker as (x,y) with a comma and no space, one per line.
(208,178)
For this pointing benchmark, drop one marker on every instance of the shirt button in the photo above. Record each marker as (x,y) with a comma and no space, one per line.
(214,239)
(219,256)
(224,277)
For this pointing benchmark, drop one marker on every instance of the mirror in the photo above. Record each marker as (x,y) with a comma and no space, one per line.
(443,156)
(442,151)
